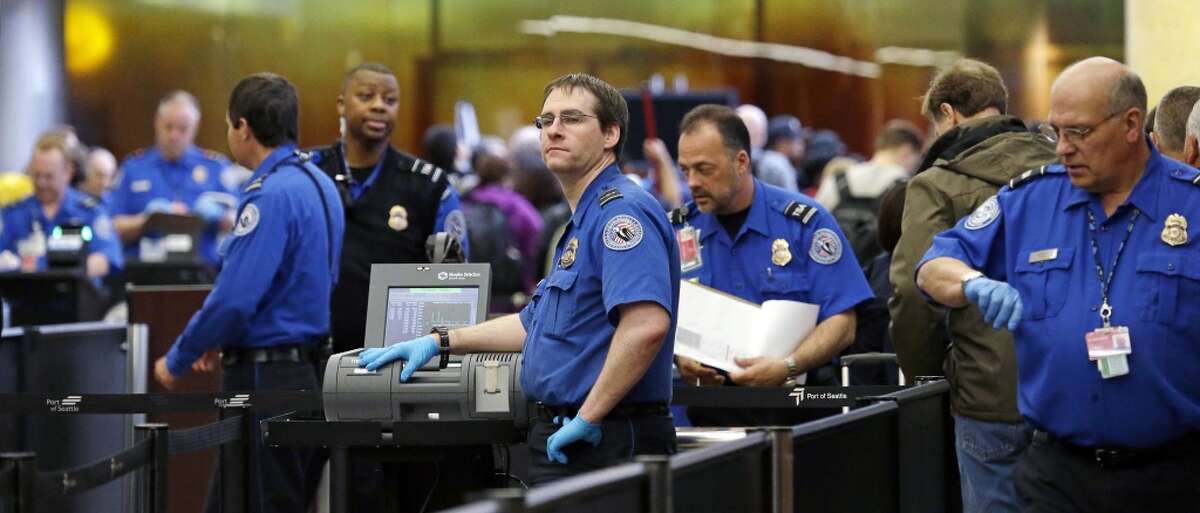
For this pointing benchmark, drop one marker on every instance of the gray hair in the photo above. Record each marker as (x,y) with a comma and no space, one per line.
(1171,120)
(1193,122)
(1127,92)
(182,97)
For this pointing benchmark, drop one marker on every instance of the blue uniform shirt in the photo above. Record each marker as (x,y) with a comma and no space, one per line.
(275,281)
(77,208)
(616,249)
(1036,238)
(150,183)
(818,265)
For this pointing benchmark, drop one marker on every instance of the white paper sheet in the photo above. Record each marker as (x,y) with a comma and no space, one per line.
(714,327)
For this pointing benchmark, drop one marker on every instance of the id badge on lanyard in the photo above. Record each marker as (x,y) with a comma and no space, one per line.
(1108,345)
(689,248)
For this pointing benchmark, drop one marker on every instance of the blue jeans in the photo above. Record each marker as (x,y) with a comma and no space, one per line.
(987,454)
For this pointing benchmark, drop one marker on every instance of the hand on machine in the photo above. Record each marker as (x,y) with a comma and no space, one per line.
(417,352)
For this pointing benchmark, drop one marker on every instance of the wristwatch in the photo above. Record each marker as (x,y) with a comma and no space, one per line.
(792,371)
(968,277)
(444,348)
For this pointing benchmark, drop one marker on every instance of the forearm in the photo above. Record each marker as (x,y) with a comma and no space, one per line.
(827,340)
(129,228)
(503,334)
(941,278)
(635,344)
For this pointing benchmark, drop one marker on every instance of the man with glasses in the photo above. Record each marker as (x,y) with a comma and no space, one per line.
(1091,265)
(598,332)
(978,149)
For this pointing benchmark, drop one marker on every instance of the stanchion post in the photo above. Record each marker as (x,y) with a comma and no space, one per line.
(156,474)
(660,495)
(25,465)
(234,462)
(782,458)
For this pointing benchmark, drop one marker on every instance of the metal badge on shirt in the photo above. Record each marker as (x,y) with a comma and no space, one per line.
(199,174)
(781,253)
(1174,231)
(568,257)
(622,232)
(398,218)
(689,248)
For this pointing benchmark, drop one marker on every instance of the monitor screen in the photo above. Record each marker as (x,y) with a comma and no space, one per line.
(413,311)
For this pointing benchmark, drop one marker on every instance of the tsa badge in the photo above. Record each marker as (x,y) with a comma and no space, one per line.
(1174,231)
(568,257)
(781,253)
(689,248)
(199,174)
(398,218)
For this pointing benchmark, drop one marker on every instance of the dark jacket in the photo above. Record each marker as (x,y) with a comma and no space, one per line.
(968,165)
(369,239)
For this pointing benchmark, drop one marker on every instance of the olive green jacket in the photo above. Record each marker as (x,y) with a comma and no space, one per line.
(969,165)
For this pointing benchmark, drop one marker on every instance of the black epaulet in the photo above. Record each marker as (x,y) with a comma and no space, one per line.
(256,184)
(1029,176)
(424,168)
(610,195)
(680,215)
(1186,174)
(800,211)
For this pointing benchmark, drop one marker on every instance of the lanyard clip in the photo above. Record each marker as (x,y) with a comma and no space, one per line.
(1105,313)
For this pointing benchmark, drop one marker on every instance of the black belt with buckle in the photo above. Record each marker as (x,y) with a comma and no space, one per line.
(547,412)
(289,353)
(1111,457)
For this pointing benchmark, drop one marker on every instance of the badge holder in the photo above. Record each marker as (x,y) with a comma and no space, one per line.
(689,248)
(1109,346)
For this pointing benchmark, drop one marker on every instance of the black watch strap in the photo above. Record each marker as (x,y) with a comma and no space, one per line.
(444,348)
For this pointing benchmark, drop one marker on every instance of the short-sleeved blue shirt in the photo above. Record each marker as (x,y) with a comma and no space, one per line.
(281,262)
(77,209)
(1036,237)
(151,183)
(789,247)
(617,249)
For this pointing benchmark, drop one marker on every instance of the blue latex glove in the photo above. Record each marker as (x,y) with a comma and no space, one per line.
(417,352)
(572,430)
(998,301)
(158,205)
(209,211)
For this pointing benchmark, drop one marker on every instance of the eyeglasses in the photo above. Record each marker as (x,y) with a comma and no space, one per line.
(567,118)
(1073,135)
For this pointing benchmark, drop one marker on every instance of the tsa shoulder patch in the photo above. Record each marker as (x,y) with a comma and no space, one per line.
(248,221)
(826,247)
(984,215)
(456,224)
(622,232)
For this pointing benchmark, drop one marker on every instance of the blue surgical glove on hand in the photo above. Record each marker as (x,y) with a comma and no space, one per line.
(572,430)
(417,352)
(998,301)
(209,211)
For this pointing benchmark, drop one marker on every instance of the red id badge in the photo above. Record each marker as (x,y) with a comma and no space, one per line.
(1106,342)
(689,248)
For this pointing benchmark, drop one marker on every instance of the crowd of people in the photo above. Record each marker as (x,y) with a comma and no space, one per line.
(1022,260)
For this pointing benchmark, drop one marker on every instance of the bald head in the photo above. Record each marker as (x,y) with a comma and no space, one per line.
(1102,78)
(756,122)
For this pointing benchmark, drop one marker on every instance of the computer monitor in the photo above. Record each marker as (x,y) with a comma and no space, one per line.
(407,300)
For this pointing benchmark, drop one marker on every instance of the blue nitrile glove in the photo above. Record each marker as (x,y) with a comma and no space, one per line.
(416,352)
(999,302)
(208,210)
(157,205)
(572,430)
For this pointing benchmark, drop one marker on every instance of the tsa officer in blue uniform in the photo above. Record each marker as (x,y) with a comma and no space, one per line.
(1093,266)
(177,177)
(598,333)
(759,242)
(29,223)
(269,307)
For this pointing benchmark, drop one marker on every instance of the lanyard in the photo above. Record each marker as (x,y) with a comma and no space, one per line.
(1106,283)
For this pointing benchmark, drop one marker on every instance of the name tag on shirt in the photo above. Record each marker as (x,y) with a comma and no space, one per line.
(140,186)
(1043,255)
